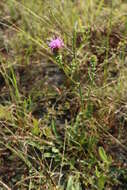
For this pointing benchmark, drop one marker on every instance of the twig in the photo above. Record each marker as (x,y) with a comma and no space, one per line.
(4,185)
(61,168)
(28,178)
(115,139)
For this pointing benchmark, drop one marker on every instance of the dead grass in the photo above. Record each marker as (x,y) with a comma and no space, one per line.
(62,129)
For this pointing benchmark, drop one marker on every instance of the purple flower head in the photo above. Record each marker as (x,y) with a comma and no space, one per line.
(56,44)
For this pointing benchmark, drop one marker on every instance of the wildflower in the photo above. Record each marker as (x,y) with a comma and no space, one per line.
(56,44)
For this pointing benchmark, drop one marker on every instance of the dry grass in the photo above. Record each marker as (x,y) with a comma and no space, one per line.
(63,127)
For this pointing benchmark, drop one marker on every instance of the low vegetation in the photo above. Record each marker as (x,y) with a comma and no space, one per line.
(63,109)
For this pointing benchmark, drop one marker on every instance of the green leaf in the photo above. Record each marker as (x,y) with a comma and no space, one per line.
(48,155)
(5,113)
(73,185)
(97,172)
(53,126)
(35,129)
(103,155)
(77,186)
(101,182)
(89,110)
(70,183)
(55,150)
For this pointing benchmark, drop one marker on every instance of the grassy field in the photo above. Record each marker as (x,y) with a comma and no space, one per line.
(63,115)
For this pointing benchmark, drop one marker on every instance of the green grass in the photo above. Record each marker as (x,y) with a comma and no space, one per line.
(63,119)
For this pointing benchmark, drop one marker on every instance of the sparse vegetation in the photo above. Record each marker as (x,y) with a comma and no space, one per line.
(63,114)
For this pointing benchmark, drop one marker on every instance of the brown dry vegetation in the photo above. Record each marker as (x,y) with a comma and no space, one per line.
(63,127)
